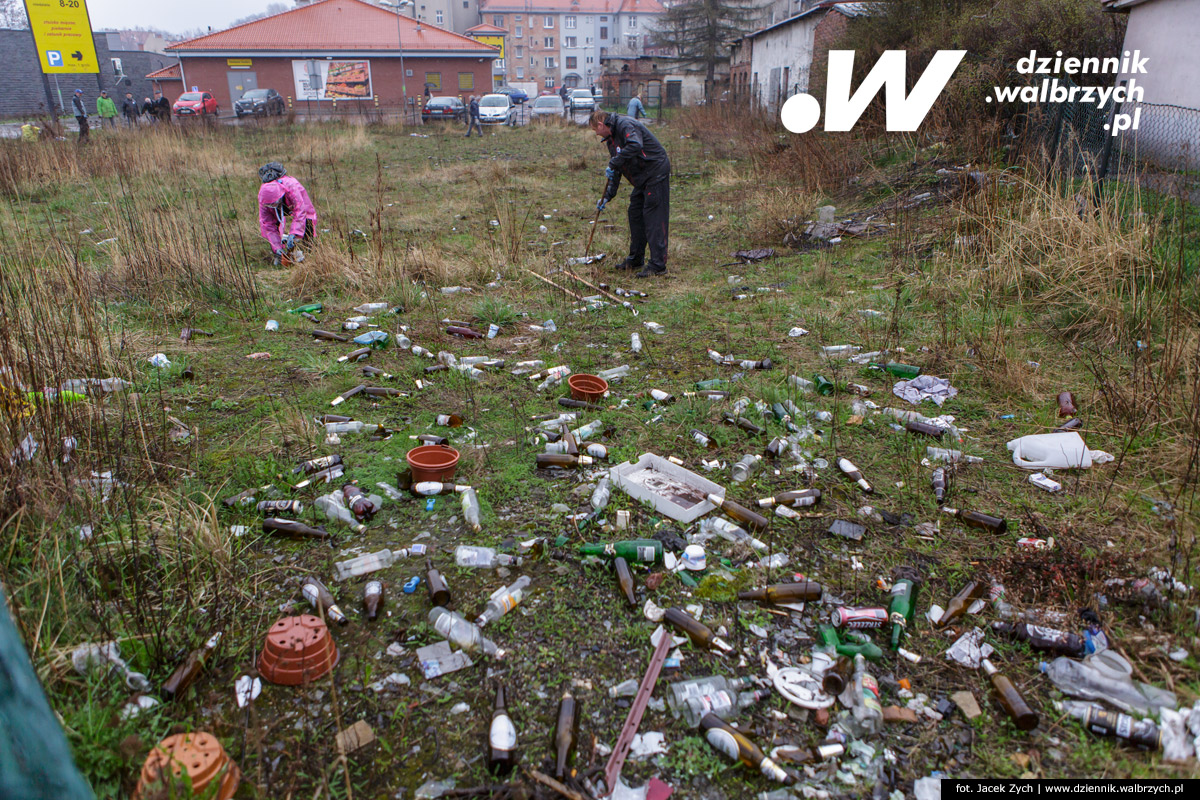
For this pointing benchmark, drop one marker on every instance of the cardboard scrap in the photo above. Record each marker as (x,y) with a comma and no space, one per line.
(965,701)
(897,714)
(357,736)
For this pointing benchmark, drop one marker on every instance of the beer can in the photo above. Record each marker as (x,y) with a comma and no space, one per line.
(864,617)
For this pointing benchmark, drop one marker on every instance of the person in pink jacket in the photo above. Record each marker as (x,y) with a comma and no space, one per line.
(277,200)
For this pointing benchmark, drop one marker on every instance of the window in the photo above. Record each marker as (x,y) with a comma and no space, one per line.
(570,41)
(632,22)
(516,18)
(587,42)
(466,3)
(548,42)
(440,17)
(517,32)
(604,19)
(572,61)
(587,20)
(466,80)
(549,62)
(632,43)
(570,23)
(498,20)
(547,22)
(589,59)
(520,73)
(603,33)
(434,79)
(519,51)
(532,61)
(549,82)
(498,65)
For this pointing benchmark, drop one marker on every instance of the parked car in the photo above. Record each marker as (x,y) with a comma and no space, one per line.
(196,104)
(450,108)
(546,106)
(259,101)
(582,100)
(517,96)
(495,109)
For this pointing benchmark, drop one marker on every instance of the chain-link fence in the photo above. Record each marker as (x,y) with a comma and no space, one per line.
(1163,150)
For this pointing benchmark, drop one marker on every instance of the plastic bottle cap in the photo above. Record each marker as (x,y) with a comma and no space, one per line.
(694,558)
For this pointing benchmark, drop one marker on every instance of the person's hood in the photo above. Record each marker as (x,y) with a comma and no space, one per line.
(270,193)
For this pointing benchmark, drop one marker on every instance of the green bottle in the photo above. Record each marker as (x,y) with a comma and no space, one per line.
(906,371)
(635,551)
(900,610)
(823,385)
(311,308)
(712,383)
(867,649)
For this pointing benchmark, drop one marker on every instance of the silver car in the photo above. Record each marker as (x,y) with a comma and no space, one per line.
(548,106)
(582,100)
(495,109)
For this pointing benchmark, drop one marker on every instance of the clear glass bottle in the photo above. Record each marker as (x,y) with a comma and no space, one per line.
(471,556)
(462,633)
(745,467)
(503,600)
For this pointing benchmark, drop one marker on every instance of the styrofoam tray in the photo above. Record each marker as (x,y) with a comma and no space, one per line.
(673,491)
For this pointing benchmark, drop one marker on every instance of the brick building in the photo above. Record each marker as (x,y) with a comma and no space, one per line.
(342,51)
(24,91)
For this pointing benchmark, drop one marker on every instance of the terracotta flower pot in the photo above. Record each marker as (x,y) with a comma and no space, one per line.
(298,650)
(588,388)
(200,755)
(432,462)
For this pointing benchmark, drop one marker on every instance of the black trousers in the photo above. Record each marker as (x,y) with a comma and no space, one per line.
(83,128)
(649,218)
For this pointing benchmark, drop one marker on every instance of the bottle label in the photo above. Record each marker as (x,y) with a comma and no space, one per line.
(716,702)
(772,770)
(898,619)
(503,735)
(659,394)
(1048,635)
(417,549)
(645,554)
(723,741)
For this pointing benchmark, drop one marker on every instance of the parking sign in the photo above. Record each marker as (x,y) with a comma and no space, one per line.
(63,33)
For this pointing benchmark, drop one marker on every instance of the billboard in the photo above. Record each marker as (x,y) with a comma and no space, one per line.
(63,34)
(321,79)
(492,41)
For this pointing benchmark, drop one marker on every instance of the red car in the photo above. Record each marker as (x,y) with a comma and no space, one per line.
(196,104)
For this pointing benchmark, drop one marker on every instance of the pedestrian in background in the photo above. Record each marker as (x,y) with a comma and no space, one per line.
(130,110)
(81,115)
(162,108)
(106,109)
(636,109)
(30,132)
(473,117)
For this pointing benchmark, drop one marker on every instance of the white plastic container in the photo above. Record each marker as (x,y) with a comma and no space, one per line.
(1065,450)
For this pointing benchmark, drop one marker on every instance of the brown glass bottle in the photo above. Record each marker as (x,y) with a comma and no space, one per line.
(959,604)
(795,499)
(838,677)
(1010,698)
(801,592)
(346,395)
(625,580)
(659,396)
(374,372)
(924,428)
(701,635)
(938,482)
(357,502)
(439,592)
(568,440)
(734,744)
(571,402)
(382,391)
(373,598)
(328,336)
(808,755)
(186,673)
(751,519)
(292,528)
(564,460)
(326,475)
(274,507)
(318,464)
(502,739)
(977,519)
(703,439)
(1066,404)
(449,420)
(1070,425)
(429,438)
(747,425)
(464,332)
(1044,640)
(355,355)
(776,448)
(566,733)
(853,473)
(315,592)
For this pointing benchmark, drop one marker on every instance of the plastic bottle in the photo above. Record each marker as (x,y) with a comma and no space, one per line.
(470,509)
(614,373)
(331,505)
(745,467)
(1065,450)
(635,342)
(1084,680)
(602,494)
(469,556)
(503,600)
(461,633)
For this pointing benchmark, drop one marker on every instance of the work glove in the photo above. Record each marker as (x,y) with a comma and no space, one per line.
(610,173)
(601,203)
(290,241)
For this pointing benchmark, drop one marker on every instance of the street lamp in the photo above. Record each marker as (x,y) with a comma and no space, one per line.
(399,4)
